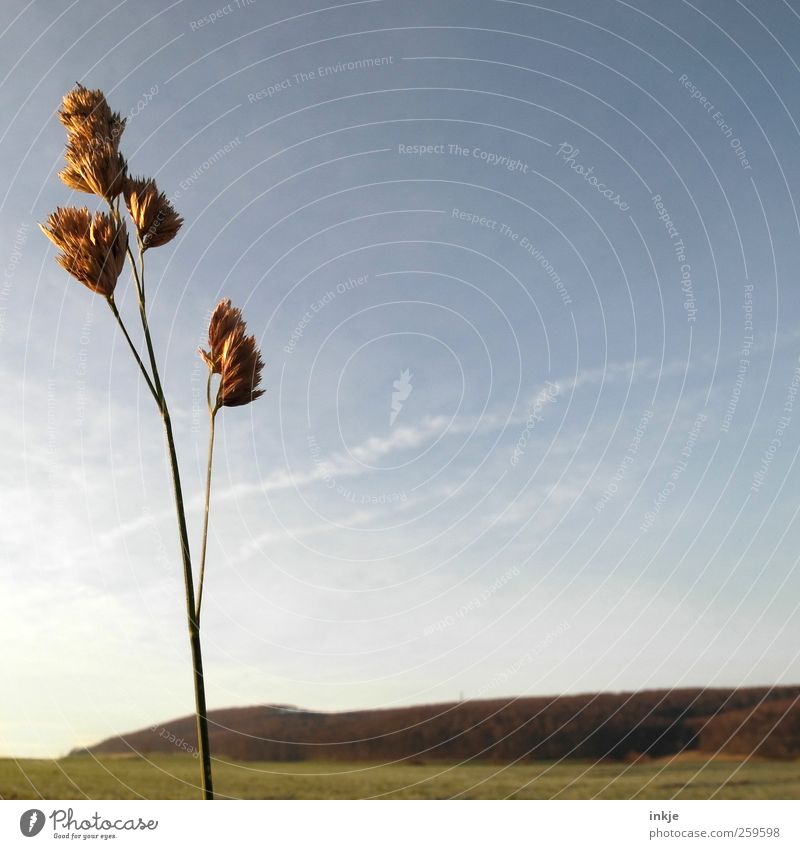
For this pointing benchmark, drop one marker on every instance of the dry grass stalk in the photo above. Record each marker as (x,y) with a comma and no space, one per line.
(92,248)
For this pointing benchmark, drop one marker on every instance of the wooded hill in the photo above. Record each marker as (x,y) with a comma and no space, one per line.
(753,721)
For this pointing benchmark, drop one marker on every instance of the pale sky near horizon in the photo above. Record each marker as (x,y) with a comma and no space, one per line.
(525,280)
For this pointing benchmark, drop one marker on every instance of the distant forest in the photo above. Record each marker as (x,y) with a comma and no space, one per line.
(764,722)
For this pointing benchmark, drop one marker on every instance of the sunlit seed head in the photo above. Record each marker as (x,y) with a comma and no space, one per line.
(234,356)
(155,218)
(91,247)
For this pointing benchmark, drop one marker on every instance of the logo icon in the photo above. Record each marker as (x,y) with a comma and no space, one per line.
(31,822)
(402,389)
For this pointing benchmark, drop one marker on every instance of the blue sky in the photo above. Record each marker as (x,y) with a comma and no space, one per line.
(524,278)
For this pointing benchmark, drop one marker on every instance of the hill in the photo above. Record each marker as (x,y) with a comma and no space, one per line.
(655,723)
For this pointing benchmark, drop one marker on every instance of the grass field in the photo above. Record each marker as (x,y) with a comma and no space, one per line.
(174,777)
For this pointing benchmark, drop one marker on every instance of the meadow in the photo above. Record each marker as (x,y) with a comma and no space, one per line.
(174,777)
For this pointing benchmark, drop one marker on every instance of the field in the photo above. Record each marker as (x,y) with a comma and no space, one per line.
(174,777)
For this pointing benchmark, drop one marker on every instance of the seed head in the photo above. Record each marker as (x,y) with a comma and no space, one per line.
(97,168)
(224,320)
(155,218)
(234,356)
(92,247)
(241,369)
(85,113)
(94,163)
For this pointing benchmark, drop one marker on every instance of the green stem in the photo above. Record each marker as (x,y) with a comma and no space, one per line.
(188,578)
(135,353)
(201,713)
(212,413)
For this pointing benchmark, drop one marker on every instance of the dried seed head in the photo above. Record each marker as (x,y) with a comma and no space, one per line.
(94,163)
(241,369)
(85,113)
(92,247)
(234,356)
(98,168)
(155,218)
(224,320)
